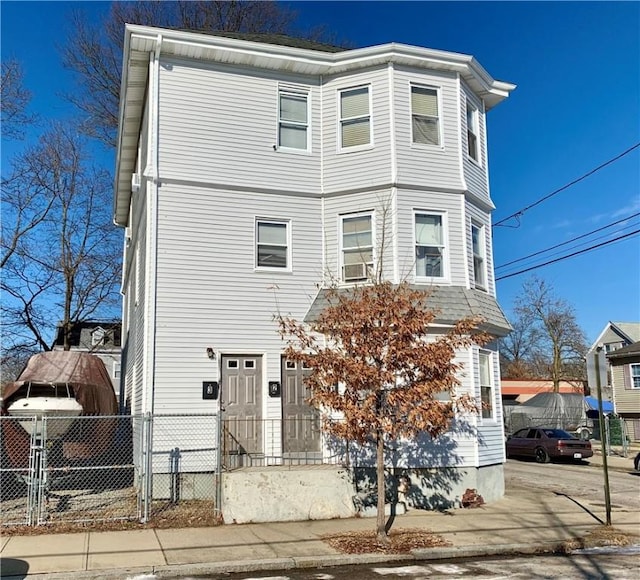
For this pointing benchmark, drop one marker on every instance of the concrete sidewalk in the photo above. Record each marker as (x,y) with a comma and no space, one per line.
(524,521)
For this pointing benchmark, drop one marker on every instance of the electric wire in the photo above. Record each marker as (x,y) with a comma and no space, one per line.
(568,256)
(519,213)
(575,239)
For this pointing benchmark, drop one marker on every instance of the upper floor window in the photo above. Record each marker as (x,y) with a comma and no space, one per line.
(472,132)
(425,121)
(293,125)
(355,117)
(486,388)
(477,243)
(357,247)
(430,245)
(635,376)
(272,244)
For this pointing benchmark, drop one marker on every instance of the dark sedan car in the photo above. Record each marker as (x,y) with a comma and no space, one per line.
(544,444)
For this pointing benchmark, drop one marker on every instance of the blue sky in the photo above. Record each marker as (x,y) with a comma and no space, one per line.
(577,105)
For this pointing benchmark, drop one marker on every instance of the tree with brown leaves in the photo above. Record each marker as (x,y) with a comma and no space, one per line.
(378,368)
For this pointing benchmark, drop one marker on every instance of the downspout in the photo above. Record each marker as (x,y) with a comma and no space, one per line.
(151,286)
(394,177)
(322,206)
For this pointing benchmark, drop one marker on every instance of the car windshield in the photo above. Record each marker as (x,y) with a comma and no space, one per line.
(557,434)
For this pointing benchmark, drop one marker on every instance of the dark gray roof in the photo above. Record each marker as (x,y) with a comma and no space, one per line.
(271,38)
(452,303)
(630,350)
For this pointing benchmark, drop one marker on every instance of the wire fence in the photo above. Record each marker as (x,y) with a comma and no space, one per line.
(142,467)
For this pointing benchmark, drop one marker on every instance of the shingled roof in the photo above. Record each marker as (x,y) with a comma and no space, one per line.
(452,303)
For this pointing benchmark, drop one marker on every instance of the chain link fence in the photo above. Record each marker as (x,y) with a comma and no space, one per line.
(106,468)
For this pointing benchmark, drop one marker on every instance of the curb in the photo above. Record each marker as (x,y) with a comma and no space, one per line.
(300,562)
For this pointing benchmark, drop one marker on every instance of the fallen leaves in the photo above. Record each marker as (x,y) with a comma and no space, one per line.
(401,541)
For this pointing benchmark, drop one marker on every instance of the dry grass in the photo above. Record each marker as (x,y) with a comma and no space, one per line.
(601,536)
(186,514)
(401,541)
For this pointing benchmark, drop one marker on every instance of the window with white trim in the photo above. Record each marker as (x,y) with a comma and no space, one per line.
(478,245)
(425,119)
(635,375)
(116,370)
(293,120)
(357,247)
(486,386)
(355,117)
(430,245)
(272,244)
(472,132)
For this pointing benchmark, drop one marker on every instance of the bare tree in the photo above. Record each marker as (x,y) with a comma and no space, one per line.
(558,344)
(373,372)
(516,349)
(94,49)
(62,266)
(14,100)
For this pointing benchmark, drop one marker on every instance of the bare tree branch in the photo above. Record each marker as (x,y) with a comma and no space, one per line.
(14,99)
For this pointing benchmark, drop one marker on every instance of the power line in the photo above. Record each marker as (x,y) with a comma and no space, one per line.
(546,197)
(568,241)
(568,255)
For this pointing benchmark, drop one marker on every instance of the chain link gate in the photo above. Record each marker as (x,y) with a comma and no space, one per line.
(106,468)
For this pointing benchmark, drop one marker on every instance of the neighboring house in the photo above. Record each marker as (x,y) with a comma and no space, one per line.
(515,391)
(625,380)
(250,175)
(98,337)
(614,336)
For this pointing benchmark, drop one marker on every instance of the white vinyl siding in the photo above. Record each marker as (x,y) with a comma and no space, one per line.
(357,247)
(352,169)
(222,130)
(475,171)
(425,117)
(427,166)
(430,243)
(479,218)
(293,125)
(355,117)
(273,248)
(412,202)
(206,237)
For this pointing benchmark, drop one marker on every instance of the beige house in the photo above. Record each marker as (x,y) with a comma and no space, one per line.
(625,380)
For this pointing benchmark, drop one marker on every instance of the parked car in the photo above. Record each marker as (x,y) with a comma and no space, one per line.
(636,462)
(544,444)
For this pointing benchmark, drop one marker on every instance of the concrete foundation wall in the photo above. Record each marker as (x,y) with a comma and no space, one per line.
(275,494)
(278,494)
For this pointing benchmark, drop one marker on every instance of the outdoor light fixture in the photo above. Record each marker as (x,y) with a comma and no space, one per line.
(210,353)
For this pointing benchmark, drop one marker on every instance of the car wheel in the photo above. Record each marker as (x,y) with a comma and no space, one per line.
(636,462)
(541,455)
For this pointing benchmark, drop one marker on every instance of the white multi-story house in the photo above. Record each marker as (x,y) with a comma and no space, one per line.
(252,175)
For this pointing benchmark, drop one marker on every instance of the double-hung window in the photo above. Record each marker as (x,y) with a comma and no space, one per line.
(355,117)
(272,244)
(430,245)
(357,247)
(635,375)
(425,120)
(472,132)
(486,388)
(293,124)
(477,244)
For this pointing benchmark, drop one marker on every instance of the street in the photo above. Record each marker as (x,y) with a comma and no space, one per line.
(578,481)
(619,564)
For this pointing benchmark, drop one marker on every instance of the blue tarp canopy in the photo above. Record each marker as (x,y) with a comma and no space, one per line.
(592,402)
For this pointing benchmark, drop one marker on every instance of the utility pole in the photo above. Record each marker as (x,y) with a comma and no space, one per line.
(607,494)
